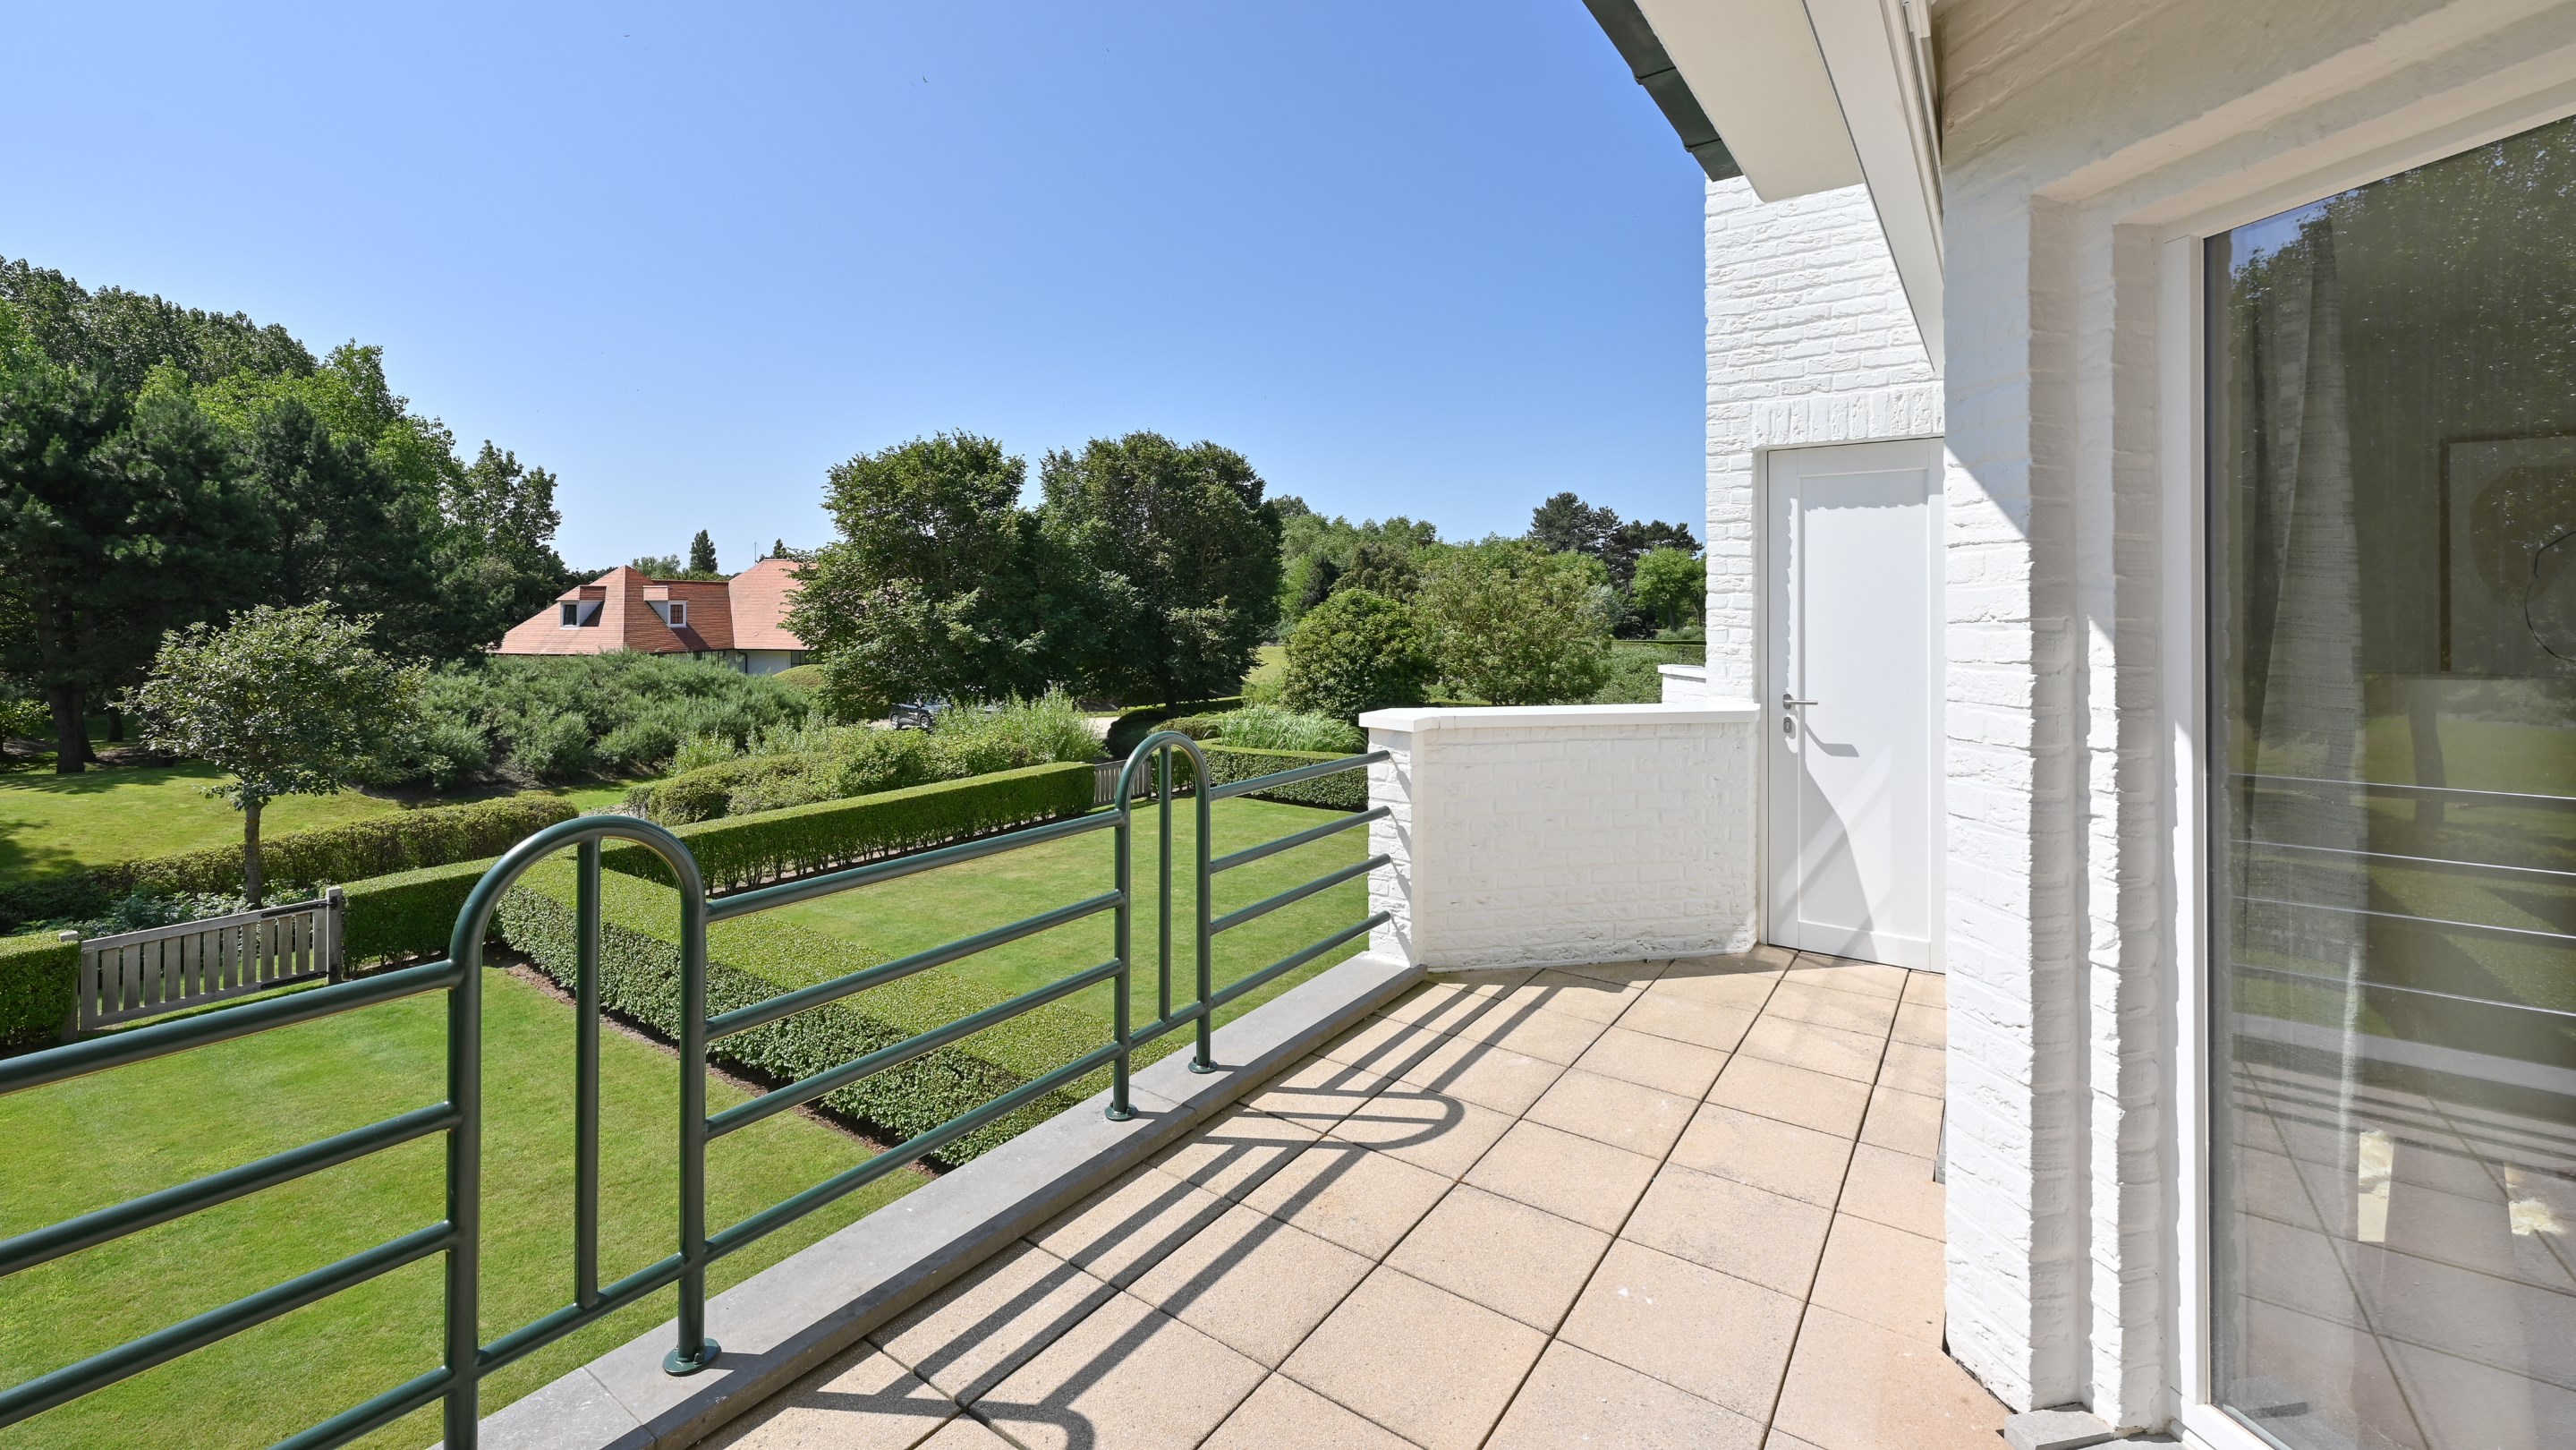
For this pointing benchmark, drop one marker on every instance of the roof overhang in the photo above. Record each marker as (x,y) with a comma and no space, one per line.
(1804,96)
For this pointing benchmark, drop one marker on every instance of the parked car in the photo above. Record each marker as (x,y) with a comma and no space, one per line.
(918,714)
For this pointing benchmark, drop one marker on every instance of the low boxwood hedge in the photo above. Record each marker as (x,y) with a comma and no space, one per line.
(739,851)
(36,977)
(1344,791)
(357,851)
(752,960)
(407,914)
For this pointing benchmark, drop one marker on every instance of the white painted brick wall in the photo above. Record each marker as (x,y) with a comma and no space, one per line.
(1566,834)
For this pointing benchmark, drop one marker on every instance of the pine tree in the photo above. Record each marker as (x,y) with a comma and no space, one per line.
(702,554)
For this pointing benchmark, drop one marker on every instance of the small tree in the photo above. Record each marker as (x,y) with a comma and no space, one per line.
(285,701)
(702,554)
(1673,584)
(1354,652)
(1513,624)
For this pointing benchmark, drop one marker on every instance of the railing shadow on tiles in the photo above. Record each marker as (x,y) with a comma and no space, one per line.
(1147,776)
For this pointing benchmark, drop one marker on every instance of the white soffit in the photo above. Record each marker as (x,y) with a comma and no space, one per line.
(1878,56)
(1757,70)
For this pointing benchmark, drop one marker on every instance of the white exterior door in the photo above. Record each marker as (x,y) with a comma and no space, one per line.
(1851,693)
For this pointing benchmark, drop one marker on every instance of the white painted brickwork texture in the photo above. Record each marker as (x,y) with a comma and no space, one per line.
(1563,843)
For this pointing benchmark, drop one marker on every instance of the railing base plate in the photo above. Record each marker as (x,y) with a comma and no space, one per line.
(673,1364)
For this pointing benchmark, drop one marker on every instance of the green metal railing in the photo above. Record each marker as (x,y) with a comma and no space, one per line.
(456,1383)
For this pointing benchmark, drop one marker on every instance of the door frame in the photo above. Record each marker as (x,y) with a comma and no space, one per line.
(1770,675)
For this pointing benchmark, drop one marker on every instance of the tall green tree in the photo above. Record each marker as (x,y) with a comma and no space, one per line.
(1672,583)
(936,583)
(1357,651)
(702,553)
(284,701)
(1512,623)
(1177,559)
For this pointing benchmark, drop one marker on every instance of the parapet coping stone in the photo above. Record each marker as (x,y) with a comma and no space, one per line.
(1419,720)
(791,1317)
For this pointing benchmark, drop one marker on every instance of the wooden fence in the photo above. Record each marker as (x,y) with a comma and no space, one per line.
(161,969)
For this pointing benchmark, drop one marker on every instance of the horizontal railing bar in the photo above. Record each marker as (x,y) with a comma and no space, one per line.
(2430,923)
(2367,985)
(100,1370)
(725,908)
(1290,897)
(1296,959)
(537,1333)
(2496,797)
(850,1180)
(1251,854)
(134,1215)
(743,1019)
(1291,777)
(2442,863)
(364,1420)
(805,1090)
(141,1044)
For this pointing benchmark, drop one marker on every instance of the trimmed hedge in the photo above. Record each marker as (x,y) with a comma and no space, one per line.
(639,962)
(1132,726)
(377,846)
(707,793)
(1347,791)
(740,851)
(36,977)
(409,913)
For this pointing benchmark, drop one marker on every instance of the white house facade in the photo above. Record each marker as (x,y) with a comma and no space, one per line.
(2141,456)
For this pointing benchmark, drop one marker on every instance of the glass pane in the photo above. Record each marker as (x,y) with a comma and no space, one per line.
(2393,809)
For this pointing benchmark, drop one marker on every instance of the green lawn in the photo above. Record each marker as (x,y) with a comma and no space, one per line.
(55,823)
(915,912)
(95,1141)
(1269,666)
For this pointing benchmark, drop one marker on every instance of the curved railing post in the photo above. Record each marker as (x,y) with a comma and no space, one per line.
(1158,748)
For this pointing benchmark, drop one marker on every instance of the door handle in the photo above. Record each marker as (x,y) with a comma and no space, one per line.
(1785,700)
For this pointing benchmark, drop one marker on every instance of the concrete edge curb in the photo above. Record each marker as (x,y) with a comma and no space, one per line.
(791,1317)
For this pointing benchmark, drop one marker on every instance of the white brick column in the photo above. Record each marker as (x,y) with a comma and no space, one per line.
(1563,834)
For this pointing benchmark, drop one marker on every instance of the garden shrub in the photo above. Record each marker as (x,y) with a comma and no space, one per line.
(1353,653)
(68,897)
(400,841)
(1131,727)
(37,974)
(818,762)
(739,851)
(1344,791)
(558,717)
(1042,731)
(752,960)
(407,914)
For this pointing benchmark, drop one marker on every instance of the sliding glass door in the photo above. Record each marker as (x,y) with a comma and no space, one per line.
(2392,767)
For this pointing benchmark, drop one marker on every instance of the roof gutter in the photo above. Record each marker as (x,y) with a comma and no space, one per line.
(1654,69)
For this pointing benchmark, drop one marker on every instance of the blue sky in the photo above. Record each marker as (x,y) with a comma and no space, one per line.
(1440,260)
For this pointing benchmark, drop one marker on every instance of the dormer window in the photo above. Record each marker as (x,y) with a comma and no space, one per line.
(674,612)
(579,613)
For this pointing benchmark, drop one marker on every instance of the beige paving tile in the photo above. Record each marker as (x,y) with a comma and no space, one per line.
(1798,1162)
(861,1399)
(1252,1283)
(1817,1100)
(1831,1050)
(1895,1189)
(965,1433)
(1430,1365)
(1427,1000)
(1118,1232)
(1384,1046)
(1525,1026)
(1906,1122)
(1655,1062)
(1716,1336)
(1234,1152)
(1632,974)
(1735,1228)
(1578,1398)
(1569,1176)
(1503,1254)
(1869,979)
(1494,1077)
(1742,990)
(1575,995)
(1849,1011)
(1443,1133)
(1686,1019)
(1929,988)
(1284,1414)
(1487,983)
(1780,1439)
(1855,1386)
(970,1334)
(1915,1069)
(1923,1024)
(1354,1197)
(1764,958)
(1883,1276)
(1621,1114)
(1316,1093)
(1125,1376)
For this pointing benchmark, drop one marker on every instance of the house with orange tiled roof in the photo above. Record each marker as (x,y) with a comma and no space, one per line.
(741,621)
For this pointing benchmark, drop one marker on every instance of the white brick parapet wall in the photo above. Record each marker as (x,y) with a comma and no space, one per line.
(1564,834)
